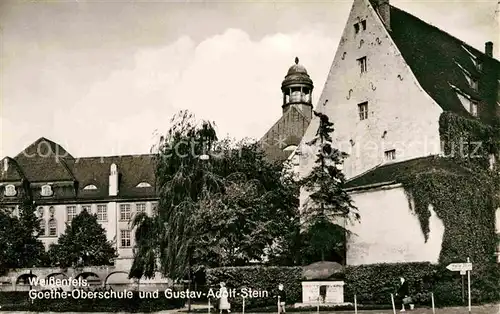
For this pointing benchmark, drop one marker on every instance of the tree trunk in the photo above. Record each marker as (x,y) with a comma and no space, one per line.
(322,255)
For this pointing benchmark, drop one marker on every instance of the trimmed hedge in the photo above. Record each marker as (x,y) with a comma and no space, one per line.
(259,278)
(372,284)
(19,301)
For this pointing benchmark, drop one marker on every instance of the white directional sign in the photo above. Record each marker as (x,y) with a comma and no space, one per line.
(461,267)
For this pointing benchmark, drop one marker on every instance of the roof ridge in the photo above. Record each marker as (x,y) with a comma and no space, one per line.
(116,156)
(445,32)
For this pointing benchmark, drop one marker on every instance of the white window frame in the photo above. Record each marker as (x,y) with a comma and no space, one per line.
(73,214)
(363,111)
(53,228)
(43,228)
(125,238)
(88,207)
(125,212)
(140,208)
(102,212)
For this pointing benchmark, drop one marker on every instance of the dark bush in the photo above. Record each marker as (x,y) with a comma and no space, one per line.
(373,284)
(260,279)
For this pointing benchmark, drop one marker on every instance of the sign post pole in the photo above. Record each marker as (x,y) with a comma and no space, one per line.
(393,305)
(468,281)
(463,287)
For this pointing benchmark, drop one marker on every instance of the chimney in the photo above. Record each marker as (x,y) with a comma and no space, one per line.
(488,49)
(113,180)
(383,9)
(5,165)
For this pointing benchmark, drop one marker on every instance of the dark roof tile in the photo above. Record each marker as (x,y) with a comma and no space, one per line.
(436,58)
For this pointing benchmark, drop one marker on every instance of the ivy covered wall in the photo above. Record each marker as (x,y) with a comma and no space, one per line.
(464,195)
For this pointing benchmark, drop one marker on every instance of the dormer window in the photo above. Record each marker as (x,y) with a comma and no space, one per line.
(143,185)
(47,190)
(473,107)
(10,190)
(90,187)
(479,65)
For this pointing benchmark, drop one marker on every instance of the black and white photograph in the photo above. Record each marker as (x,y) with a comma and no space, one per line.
(250,156)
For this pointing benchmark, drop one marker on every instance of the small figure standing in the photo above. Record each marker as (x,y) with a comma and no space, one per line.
(224,302)
(281,299)
(402,294)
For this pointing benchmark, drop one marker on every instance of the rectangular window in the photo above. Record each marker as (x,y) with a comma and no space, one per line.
(363,25)
(473,107)
(356,28)
(140,207)
(390,155)
(363,111)
(102,212)
(154,208)
(43,230)
(125,212)
(70,213)
(362,64)
(52,228)
(87,208)
(125,238)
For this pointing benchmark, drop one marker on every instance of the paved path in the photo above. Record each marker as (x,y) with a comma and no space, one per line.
(484,309)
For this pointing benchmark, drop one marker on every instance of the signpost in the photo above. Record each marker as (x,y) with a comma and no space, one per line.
(463,268)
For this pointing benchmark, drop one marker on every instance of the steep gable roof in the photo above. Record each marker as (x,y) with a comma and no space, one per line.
(287,131)
(438,61)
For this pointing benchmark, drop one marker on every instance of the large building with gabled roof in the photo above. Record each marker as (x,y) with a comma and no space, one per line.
(112,187)
(392,77)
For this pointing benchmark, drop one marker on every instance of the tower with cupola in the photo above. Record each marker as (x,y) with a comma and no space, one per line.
(297,89)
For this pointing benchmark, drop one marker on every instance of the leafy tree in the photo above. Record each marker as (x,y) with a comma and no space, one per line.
(328,205)
(83,243)
(19,243)
(227,210)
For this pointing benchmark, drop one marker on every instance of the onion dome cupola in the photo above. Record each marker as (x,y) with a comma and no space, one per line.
(297,89)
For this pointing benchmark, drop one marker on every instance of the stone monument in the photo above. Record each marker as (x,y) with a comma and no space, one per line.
(322,285)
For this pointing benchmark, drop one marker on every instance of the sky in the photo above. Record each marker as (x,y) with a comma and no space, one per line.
(104,78)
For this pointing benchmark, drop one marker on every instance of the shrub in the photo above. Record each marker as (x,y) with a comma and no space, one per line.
(374,283)
(261,279)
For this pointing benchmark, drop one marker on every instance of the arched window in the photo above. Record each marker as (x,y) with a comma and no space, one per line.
(90,187)
(52,228)
(52,211)
(143,185)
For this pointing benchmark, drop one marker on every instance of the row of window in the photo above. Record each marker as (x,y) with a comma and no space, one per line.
(101,211)
(50,229)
